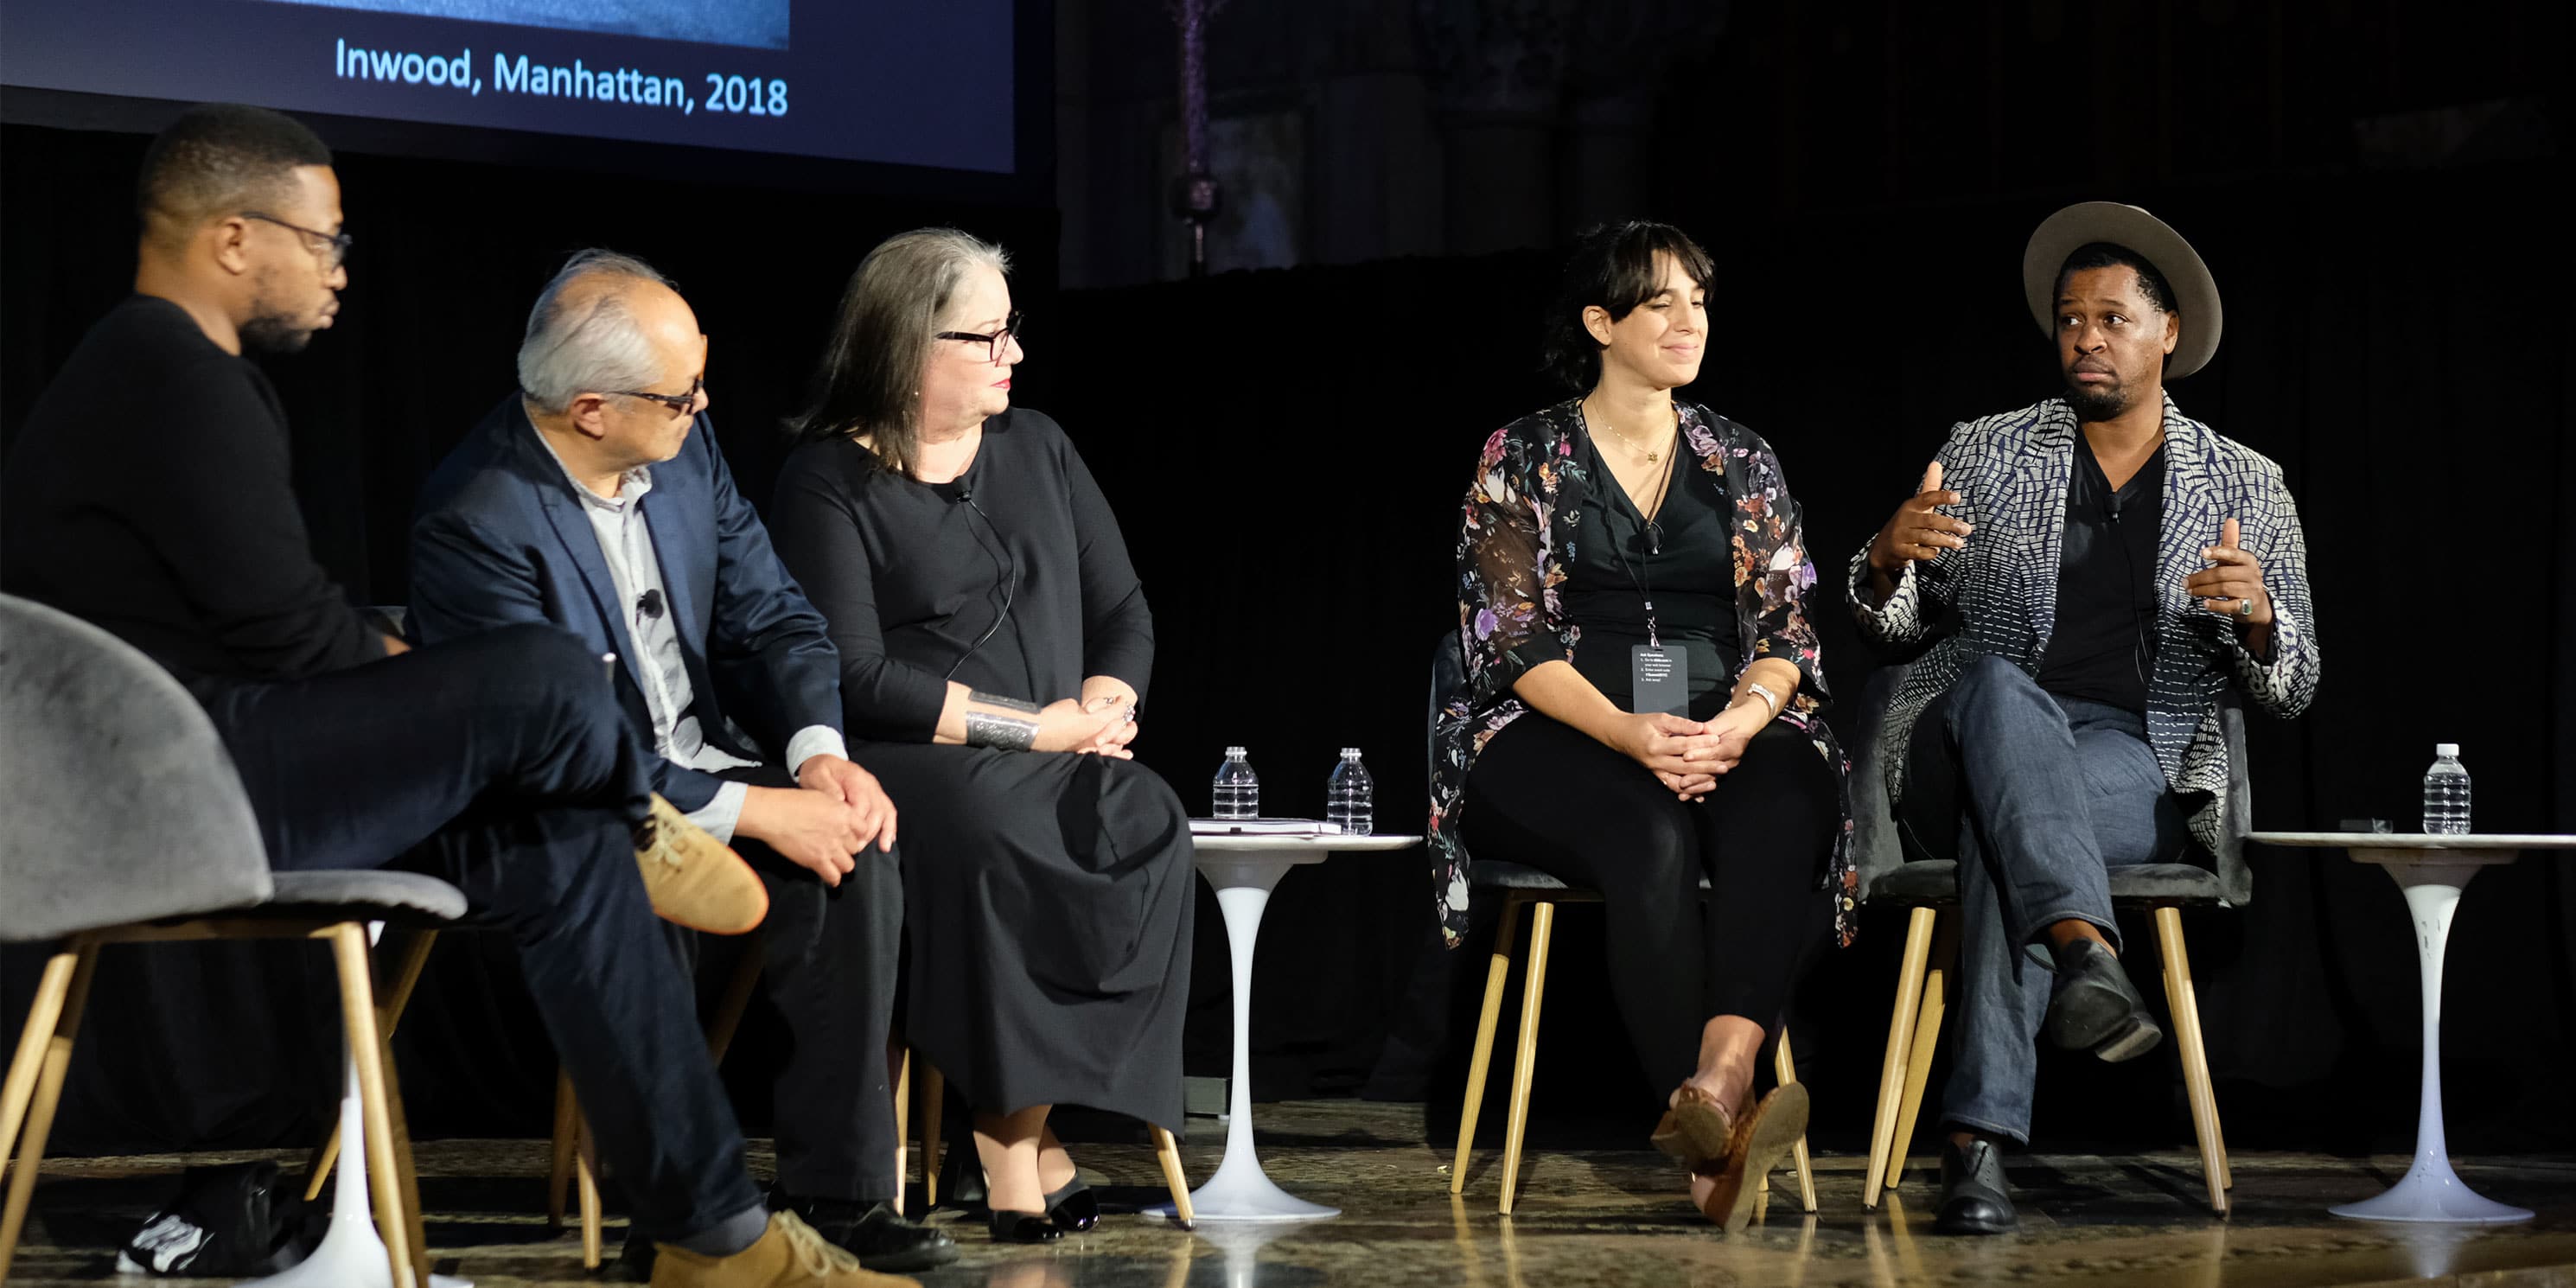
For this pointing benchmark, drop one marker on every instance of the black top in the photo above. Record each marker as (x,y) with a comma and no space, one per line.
(2103,647)
(150,492)
(1691,580)
(913,575)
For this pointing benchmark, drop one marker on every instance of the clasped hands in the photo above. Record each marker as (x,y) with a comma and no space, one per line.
(1689,756)
(835,811)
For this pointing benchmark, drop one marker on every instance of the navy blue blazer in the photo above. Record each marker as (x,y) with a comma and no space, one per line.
(500,538)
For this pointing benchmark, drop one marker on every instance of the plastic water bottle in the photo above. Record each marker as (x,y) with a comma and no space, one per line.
(2446,793)
(1348,795)
(1238,789)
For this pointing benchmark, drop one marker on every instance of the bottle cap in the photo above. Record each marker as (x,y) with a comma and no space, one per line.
(2446,749)
(1350,753)
(1232,752)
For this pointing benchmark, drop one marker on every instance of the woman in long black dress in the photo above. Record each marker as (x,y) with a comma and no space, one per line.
(994,646)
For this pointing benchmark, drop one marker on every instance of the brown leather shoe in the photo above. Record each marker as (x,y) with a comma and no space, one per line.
(788,1255)
(1763,1132)
(694,879)
(1696,1130)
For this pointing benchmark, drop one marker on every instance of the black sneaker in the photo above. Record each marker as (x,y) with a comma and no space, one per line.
(1974,1197)
(882,1240)
(2096,1008)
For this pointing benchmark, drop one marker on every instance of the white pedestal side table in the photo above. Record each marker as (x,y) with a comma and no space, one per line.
(1243,869)
(2431,869)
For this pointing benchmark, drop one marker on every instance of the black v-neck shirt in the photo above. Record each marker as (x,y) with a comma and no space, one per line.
(2103,646)
(1692,580)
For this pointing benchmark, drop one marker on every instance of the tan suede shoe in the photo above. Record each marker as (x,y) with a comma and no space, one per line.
(789,1255)
(694,879)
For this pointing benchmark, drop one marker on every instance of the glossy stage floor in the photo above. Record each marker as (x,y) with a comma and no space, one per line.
(1587,1218)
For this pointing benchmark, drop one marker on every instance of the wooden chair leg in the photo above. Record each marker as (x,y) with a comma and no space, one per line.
(32,1041)
(393,995)
(1168,1151)
(902,1125)
(2185,1005)
(1525,1056)
(64,994)
(1498,970)
(1786,1066)
(586,1180)
(567,1129)
(1900,1036)
(367,1051)
(1937,983)
(934,1088)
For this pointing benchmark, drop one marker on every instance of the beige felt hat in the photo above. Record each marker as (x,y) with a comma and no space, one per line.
(2195,291)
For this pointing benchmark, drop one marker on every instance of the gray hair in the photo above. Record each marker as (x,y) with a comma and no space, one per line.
(881,341)
(588,347)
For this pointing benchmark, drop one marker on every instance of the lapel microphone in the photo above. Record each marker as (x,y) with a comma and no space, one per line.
(650,602)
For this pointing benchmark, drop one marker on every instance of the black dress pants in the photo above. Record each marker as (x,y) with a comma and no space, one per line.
(1547,796)
(501,763)
(829,962)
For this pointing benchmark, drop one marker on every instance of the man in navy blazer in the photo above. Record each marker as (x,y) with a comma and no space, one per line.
(594,498)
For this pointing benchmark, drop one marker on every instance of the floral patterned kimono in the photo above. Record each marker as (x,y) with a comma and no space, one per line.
(1516,537)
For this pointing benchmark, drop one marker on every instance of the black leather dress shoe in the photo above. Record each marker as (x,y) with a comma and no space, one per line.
(1074,1207)
(2095,1008)
(882,1240)
(1024,1227)
(1974,1198)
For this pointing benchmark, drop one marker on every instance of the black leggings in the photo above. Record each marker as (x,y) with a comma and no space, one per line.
(1547,796)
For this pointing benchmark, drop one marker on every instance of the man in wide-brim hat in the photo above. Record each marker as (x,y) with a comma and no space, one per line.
(2106,569)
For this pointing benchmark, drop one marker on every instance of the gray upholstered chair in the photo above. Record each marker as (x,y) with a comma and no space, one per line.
(1894,870)
(1518,886)
(115,769)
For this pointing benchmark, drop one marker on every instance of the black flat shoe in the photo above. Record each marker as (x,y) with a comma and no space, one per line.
(874,1233)
(1073,1207)
(1974,1198)
(2096,1008)
(1024,1227)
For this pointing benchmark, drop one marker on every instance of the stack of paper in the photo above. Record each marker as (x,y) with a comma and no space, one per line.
(1263,827)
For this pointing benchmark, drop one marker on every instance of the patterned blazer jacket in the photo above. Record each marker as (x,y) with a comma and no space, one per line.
(1516,537)
(2012,471)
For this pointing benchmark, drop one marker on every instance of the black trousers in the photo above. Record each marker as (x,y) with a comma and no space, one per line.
(502,764)
(1547,796)
(829,962)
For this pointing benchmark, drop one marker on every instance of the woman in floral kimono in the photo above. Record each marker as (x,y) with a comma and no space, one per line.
(1642,701)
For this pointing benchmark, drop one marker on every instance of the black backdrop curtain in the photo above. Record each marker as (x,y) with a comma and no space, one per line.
(1286,451)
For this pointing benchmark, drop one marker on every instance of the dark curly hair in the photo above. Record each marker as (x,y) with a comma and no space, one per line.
(2092,255)
(1613,267)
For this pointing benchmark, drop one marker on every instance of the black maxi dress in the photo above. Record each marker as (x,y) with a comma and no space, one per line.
(1048,895)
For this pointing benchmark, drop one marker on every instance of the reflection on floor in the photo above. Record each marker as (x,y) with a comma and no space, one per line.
(1591,1218)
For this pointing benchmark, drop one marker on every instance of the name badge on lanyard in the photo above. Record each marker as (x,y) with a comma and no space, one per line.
(1659,679)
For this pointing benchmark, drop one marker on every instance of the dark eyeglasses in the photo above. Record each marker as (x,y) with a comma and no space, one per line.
(339,243)
(994,342)
(680,404)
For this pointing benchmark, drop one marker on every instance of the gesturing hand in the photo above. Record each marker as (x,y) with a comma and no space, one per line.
(1917,532)
(872,813)
(2232,584)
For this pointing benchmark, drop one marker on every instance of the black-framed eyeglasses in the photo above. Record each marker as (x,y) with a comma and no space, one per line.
(338,242)
(680,404)
(995,342)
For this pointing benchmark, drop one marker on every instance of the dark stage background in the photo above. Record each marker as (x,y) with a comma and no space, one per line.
(1286,450)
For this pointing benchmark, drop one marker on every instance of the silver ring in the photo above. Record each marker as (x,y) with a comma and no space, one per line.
(2245,608)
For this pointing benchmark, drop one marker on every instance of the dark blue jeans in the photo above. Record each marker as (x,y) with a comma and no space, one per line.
(2038,798)
(502,764)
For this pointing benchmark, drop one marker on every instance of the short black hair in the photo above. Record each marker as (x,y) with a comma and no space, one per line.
(1613,266)
(220,157)
(2092,255)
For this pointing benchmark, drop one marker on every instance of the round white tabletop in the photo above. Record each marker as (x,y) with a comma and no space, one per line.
(1242,868)
(2431,868)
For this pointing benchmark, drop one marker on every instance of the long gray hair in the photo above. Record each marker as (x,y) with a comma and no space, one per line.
(866,382)
(590,348)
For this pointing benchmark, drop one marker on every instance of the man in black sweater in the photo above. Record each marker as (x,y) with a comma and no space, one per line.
(150,493)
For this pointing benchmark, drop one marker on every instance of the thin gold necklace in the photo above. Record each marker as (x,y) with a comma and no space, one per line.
(1652,457)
